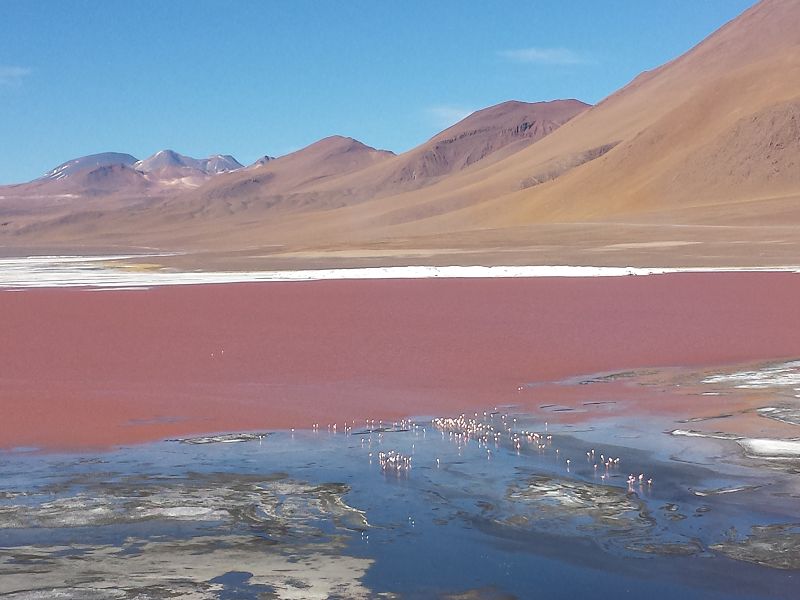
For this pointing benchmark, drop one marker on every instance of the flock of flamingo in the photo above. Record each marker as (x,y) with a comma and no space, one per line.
(488,431)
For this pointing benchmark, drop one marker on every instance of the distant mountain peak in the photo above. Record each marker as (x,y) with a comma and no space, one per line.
(221,163)
(513,111)
(339,144)
(511,124)
(91,161)
(163,159)
(169,159)
(338,141)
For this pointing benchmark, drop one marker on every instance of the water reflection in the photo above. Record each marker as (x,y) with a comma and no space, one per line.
(486,505)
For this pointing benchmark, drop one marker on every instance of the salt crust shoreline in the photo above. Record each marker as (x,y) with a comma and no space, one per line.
(764,448)
(114,272)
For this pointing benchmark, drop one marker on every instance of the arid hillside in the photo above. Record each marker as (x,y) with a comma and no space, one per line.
(695,162)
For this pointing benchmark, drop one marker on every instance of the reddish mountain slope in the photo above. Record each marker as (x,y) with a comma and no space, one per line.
(700,154)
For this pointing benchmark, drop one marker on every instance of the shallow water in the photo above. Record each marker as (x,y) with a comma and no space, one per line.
(484,506)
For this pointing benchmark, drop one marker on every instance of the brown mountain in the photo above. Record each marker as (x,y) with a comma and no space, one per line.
(95,180)
(510,126)
(305,169)
(339,171)
(334,173)
(717,125)
(694,162)
(124,204)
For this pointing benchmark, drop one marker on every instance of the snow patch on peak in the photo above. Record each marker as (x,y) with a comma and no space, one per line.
(92,161)
(169,159)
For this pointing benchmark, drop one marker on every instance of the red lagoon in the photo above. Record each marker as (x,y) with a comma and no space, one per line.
(86,368)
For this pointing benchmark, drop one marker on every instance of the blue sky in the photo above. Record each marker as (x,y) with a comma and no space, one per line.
(250,78)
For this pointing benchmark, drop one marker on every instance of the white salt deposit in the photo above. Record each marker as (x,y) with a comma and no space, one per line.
(783,374)
(763,448)
(770,449)
(111,272)
(701,434)
(186,512)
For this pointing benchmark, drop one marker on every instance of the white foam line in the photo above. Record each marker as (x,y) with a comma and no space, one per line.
(74,271)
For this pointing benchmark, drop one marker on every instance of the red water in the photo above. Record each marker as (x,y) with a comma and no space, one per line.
(97,368)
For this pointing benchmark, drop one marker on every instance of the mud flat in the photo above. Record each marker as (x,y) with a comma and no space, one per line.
(142,536)
(776,546)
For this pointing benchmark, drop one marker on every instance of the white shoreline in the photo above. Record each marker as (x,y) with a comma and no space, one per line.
(771,449)
(94,272)
(763,448)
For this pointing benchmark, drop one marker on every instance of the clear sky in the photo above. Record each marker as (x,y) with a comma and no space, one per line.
(250,78)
